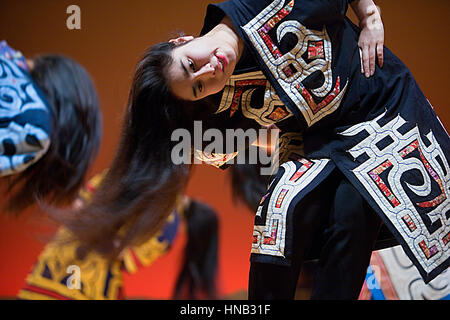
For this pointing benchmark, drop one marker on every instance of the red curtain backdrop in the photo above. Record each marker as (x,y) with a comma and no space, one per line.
(112,37)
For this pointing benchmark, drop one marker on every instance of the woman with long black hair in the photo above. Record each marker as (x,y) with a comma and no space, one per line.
(50,128)
(360,145)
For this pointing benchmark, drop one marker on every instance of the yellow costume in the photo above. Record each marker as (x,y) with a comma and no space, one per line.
(58,274)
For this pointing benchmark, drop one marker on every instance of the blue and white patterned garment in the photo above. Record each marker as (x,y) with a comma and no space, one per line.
(25,119)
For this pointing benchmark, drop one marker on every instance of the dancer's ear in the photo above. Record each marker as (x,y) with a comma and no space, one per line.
(181,40)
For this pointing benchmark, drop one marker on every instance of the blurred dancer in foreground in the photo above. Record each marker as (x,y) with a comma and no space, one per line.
(50,128)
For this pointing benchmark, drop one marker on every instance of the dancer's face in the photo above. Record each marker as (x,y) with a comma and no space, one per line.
(200,67)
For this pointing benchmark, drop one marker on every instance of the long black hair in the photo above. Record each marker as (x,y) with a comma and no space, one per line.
(142,184)
(75,136)
(197,276)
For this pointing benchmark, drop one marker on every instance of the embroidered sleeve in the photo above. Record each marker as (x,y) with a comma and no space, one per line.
(58,274)
(146,253)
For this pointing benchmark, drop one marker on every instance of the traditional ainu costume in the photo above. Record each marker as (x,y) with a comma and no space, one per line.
(300,70)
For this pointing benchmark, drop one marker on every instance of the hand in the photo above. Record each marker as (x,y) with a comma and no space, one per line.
(371,41)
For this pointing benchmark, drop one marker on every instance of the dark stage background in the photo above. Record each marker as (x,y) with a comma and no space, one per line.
(113,35)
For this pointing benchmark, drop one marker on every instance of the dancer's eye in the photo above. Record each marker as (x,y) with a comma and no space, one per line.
(191,65)
(200,87)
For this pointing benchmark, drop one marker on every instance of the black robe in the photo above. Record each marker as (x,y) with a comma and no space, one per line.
(301,70)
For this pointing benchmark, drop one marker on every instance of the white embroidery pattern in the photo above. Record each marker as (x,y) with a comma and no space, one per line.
(239,90)
(381,176)
(19,97)
(269,239)
(291,68)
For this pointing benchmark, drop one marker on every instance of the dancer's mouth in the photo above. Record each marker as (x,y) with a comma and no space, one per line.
(222,60)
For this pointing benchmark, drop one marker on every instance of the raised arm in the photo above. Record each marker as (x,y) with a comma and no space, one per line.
(371,39)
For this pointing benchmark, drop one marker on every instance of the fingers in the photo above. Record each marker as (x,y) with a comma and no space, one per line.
(361,60)
(366,60)
(369,54)
(371,60)
(380,54)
